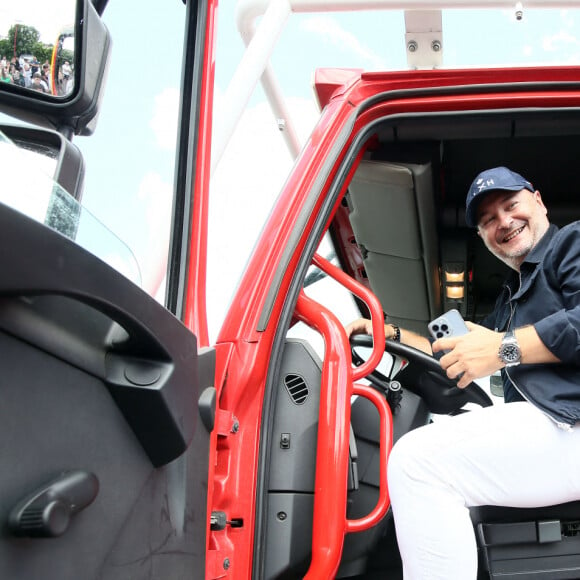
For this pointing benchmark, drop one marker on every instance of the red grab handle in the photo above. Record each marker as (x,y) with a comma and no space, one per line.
(329,524)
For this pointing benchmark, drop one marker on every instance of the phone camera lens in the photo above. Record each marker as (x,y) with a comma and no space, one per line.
(444,328)
(439,335)
(435,328)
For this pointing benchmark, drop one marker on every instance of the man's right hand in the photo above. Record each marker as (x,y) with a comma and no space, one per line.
(364,326)
(359,326)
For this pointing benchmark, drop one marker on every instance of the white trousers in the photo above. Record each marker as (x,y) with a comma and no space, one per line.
(506,455)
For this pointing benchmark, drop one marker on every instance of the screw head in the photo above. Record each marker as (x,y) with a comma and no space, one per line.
(412,46)
(226,564)
(436,46)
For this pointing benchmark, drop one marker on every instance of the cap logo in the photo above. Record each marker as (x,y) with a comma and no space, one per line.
(483,183)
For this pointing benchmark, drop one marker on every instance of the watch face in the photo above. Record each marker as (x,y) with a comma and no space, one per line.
(510,353)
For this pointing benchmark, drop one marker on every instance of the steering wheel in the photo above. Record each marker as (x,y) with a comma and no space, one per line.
(423,376)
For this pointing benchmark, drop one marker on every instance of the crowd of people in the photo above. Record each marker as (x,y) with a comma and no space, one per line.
(29,73)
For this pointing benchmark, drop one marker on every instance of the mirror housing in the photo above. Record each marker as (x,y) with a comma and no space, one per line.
(76,112)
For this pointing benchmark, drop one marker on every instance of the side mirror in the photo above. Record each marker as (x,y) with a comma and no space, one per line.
(53,69)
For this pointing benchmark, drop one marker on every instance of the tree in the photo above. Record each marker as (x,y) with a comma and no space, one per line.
(42,51)
(6,48)
(23,38)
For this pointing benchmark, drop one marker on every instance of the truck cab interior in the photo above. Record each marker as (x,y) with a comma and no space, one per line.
(400,231)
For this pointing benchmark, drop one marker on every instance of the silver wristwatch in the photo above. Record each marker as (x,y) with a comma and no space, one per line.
(509,350)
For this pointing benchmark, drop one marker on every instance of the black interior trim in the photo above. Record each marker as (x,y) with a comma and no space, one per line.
(187,154)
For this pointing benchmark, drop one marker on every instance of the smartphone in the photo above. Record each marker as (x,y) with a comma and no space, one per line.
(449,324)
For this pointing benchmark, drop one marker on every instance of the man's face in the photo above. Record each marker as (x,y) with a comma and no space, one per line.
(511,224)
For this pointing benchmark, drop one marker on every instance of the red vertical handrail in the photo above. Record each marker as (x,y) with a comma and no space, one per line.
(330,483)
(330,487)
(386,443)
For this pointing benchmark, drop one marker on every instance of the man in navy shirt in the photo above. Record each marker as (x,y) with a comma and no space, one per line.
(522,454)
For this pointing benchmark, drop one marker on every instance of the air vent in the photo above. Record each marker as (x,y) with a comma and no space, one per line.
(297,388)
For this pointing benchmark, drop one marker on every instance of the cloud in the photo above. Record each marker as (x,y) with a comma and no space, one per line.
(562,40)
(329,30)
(567,18)
(155,195)
(165,117)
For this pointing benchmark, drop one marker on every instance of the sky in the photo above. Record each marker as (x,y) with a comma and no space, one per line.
(41,15)
(130,160)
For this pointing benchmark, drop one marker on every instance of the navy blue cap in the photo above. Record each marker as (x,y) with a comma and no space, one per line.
(488,181)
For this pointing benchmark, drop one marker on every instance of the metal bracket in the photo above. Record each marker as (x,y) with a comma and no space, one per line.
(424,38)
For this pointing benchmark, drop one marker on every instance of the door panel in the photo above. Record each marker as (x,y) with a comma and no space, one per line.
(100,379)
